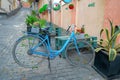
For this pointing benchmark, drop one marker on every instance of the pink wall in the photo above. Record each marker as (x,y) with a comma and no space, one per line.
(73,13)
(112,12)
(94,18)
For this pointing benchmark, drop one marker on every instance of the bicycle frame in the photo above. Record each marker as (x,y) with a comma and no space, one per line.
(54,53)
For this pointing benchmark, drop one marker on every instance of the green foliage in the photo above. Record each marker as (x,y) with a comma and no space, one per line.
(109,44)
(43,8)
(33,12)
(30,1)
(42,23)
(30,19)
(34,21)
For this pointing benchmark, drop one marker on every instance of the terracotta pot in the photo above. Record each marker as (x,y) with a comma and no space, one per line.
(71,6)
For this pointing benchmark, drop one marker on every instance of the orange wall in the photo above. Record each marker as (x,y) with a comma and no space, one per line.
(112,12)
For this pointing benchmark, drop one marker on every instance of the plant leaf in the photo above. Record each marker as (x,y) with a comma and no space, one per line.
(101,32)
(111,26)
(104,42)
(113,38)
(112,54)
(117,47)
(98,49)
(101,41)
(107,34)
(118,50)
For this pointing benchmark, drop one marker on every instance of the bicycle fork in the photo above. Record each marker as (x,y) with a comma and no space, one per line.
(76,46)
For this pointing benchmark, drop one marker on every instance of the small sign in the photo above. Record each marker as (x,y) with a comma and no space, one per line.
(91,4)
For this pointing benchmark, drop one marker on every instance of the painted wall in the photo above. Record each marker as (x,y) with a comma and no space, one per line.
(92,17)
(112,12)
(56,18)
(64,16)
(7,6)
(46,15)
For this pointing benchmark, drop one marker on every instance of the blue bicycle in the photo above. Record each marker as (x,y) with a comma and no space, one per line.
(31,49)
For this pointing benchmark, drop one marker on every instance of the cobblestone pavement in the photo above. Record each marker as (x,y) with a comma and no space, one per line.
(10,30)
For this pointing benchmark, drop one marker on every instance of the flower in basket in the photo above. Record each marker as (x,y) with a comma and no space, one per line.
(36,24)
(82,29)
(77,30)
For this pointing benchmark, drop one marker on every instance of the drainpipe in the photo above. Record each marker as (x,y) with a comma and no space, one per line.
(50,11)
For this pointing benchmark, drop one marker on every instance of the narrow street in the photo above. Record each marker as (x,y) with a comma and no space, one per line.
(10,31)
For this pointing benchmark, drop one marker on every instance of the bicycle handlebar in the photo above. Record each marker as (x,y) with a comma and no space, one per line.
(70,26)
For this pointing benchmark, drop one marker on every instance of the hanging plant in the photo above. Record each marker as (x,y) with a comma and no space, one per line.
(56,6)
(43,8)
(71,6)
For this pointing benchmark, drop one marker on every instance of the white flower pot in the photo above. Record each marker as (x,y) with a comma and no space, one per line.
(80,36)
(34,30)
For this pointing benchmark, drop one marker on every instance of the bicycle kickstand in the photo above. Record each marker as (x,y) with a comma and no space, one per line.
(49,66)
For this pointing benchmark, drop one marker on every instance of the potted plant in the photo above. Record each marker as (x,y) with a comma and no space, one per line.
(42,23)
(44,9)
(107,57)
(80,32)
(56,6)
(30,19)
(71,6)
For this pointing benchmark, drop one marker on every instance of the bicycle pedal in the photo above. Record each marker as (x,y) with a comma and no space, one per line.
(60,56)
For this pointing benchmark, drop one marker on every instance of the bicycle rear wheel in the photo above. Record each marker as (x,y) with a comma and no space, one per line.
(85,56)
(23,55)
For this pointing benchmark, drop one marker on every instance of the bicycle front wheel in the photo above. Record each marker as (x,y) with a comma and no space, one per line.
(82,56)
(22,53)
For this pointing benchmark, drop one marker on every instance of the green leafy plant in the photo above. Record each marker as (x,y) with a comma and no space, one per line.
(43,8)
(36,24)
(33,12)
(109,44)
(42,23)
(30,19)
